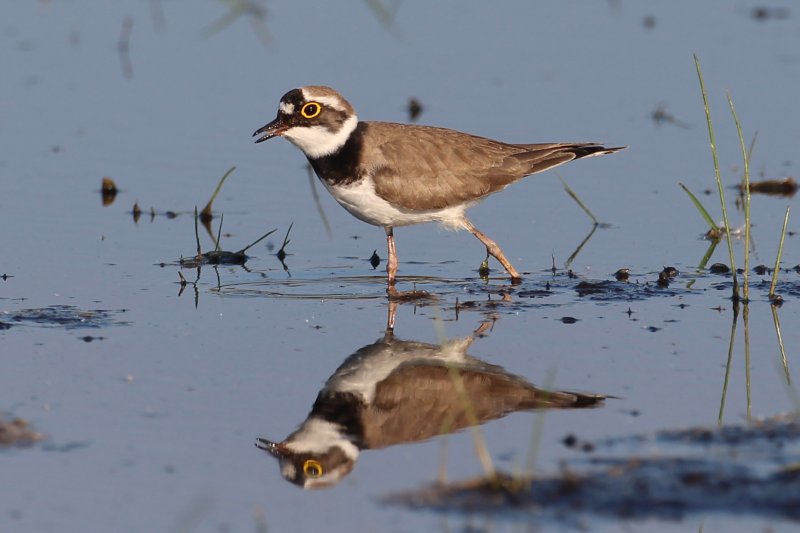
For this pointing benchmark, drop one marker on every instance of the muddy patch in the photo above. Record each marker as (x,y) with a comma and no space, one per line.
(750,469)
(62,316)
(465,294)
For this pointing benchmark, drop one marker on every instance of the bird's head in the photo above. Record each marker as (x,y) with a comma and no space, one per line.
(316,119)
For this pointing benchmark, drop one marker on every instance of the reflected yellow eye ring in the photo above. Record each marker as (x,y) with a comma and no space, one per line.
(312,468)
(310,110)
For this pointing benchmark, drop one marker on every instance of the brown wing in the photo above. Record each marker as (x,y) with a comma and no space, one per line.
(434,168)
(419,402)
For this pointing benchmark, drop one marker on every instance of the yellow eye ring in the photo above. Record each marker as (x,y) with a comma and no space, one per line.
(312,468)
(310,110)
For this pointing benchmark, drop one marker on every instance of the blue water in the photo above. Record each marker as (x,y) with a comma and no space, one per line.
(151,428)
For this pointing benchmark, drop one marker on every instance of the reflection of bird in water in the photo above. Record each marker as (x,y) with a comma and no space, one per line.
(395,391)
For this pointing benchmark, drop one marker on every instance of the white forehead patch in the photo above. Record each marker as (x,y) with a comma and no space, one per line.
(319,141)
(330,101)
(286,108)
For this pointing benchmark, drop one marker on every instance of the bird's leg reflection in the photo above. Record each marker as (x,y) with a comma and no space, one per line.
(487,324)
(392,314)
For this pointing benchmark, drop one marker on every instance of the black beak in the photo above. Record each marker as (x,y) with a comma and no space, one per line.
(273,129)
(275,449)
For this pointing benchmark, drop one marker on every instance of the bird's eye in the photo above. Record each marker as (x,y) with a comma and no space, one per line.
(312,468)
(310,110)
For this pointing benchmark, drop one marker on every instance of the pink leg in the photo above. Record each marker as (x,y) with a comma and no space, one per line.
(391,271)
(391,262)
(494,250)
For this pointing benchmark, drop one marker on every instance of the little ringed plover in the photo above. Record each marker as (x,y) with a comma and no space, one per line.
(389,174)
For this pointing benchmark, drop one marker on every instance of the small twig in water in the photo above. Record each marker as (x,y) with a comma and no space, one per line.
(281,254)
(206,215)
(267,234)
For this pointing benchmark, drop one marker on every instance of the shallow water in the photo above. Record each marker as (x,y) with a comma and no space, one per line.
(157,408)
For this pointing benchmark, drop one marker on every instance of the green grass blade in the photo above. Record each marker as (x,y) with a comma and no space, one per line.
(746,162)
(778,257)
(702,210)
(712,245)
(717,175)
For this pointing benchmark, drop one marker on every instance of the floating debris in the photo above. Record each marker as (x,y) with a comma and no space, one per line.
(415,109)
(764,13)
(762,270)
(719,268)
(781,187)
(108,191)
(214,257)
(374,259)
(483,269)
(670,272)
(18,433)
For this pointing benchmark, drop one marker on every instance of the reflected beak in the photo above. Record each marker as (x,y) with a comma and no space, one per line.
(276,449)
(273,129)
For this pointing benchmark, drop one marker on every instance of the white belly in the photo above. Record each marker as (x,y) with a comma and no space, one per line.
(362,202)
(363,374)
